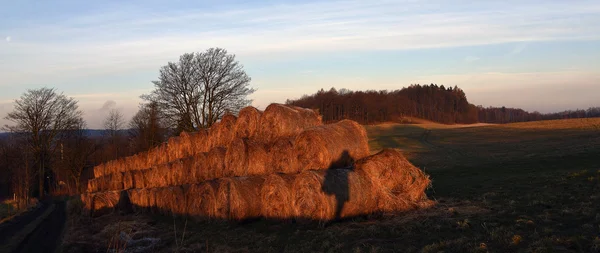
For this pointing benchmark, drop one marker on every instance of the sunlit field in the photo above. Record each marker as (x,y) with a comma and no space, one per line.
(525,187)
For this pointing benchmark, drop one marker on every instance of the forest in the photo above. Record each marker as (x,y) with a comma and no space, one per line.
(448,105)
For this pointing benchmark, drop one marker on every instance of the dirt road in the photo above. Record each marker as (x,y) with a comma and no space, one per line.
(34,233)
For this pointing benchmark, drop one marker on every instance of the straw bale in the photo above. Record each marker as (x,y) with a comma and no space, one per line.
(152,201)
(128,182)
(401,184)
(104,202)
(188,172)
(282,156)
(177,173)
(238,198)
(139,178)
(159,176)
(186,143)
(200,168)
(200,141)
(175,202)
(331,146)
(247,123)
(280,121)
(276,196)
(115,181)
(216,161)
(144,199)
(309,201)
(201,199)
(99,170)
(246,157)
(174,148)
(222,132)
(92,185)
(332,194)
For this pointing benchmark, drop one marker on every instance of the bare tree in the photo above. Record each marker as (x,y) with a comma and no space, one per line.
(42,115)
(147,128)
(114,122)
(197,90)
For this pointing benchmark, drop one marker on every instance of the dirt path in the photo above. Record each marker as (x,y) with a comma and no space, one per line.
(36,231)
(46,237)
(11,227)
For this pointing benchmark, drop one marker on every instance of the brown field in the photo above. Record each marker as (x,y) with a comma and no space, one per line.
(526,187)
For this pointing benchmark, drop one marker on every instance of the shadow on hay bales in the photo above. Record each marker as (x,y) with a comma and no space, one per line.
(337,184)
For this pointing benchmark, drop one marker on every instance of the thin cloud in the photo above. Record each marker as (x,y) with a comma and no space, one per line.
(472,59)
(8,38)
(518,49)
(130,39)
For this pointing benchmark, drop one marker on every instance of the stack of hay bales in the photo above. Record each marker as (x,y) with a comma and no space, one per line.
(282,163)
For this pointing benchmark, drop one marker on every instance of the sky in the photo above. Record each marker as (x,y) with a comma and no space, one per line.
(536,55)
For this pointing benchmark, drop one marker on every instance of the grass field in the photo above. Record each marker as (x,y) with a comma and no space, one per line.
(527,187)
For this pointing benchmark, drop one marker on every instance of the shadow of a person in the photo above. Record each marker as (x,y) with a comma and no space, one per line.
(336,181)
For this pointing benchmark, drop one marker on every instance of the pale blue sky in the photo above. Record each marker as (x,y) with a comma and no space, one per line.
(537,55)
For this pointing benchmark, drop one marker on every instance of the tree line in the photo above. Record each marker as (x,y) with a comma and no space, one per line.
(432,102)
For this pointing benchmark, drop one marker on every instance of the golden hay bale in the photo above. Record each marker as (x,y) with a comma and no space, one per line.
(276,196)
(128,182)
(282,156)
(201,199)
(246,157)
(144,199)
(188,172)
(401,184)
(185,141)
(280,121)
(99,170)
(238,198)
(222,132)
(174,147)
(92,185)
(177,173)
(159,176)
(200,168)
(200,141)
(139,178)
(175,202)
(104,202)
(115,181)
(247,122)
(332,194)
(163,198)
(308,199)
(331,146)
(216,161)
(152,202)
